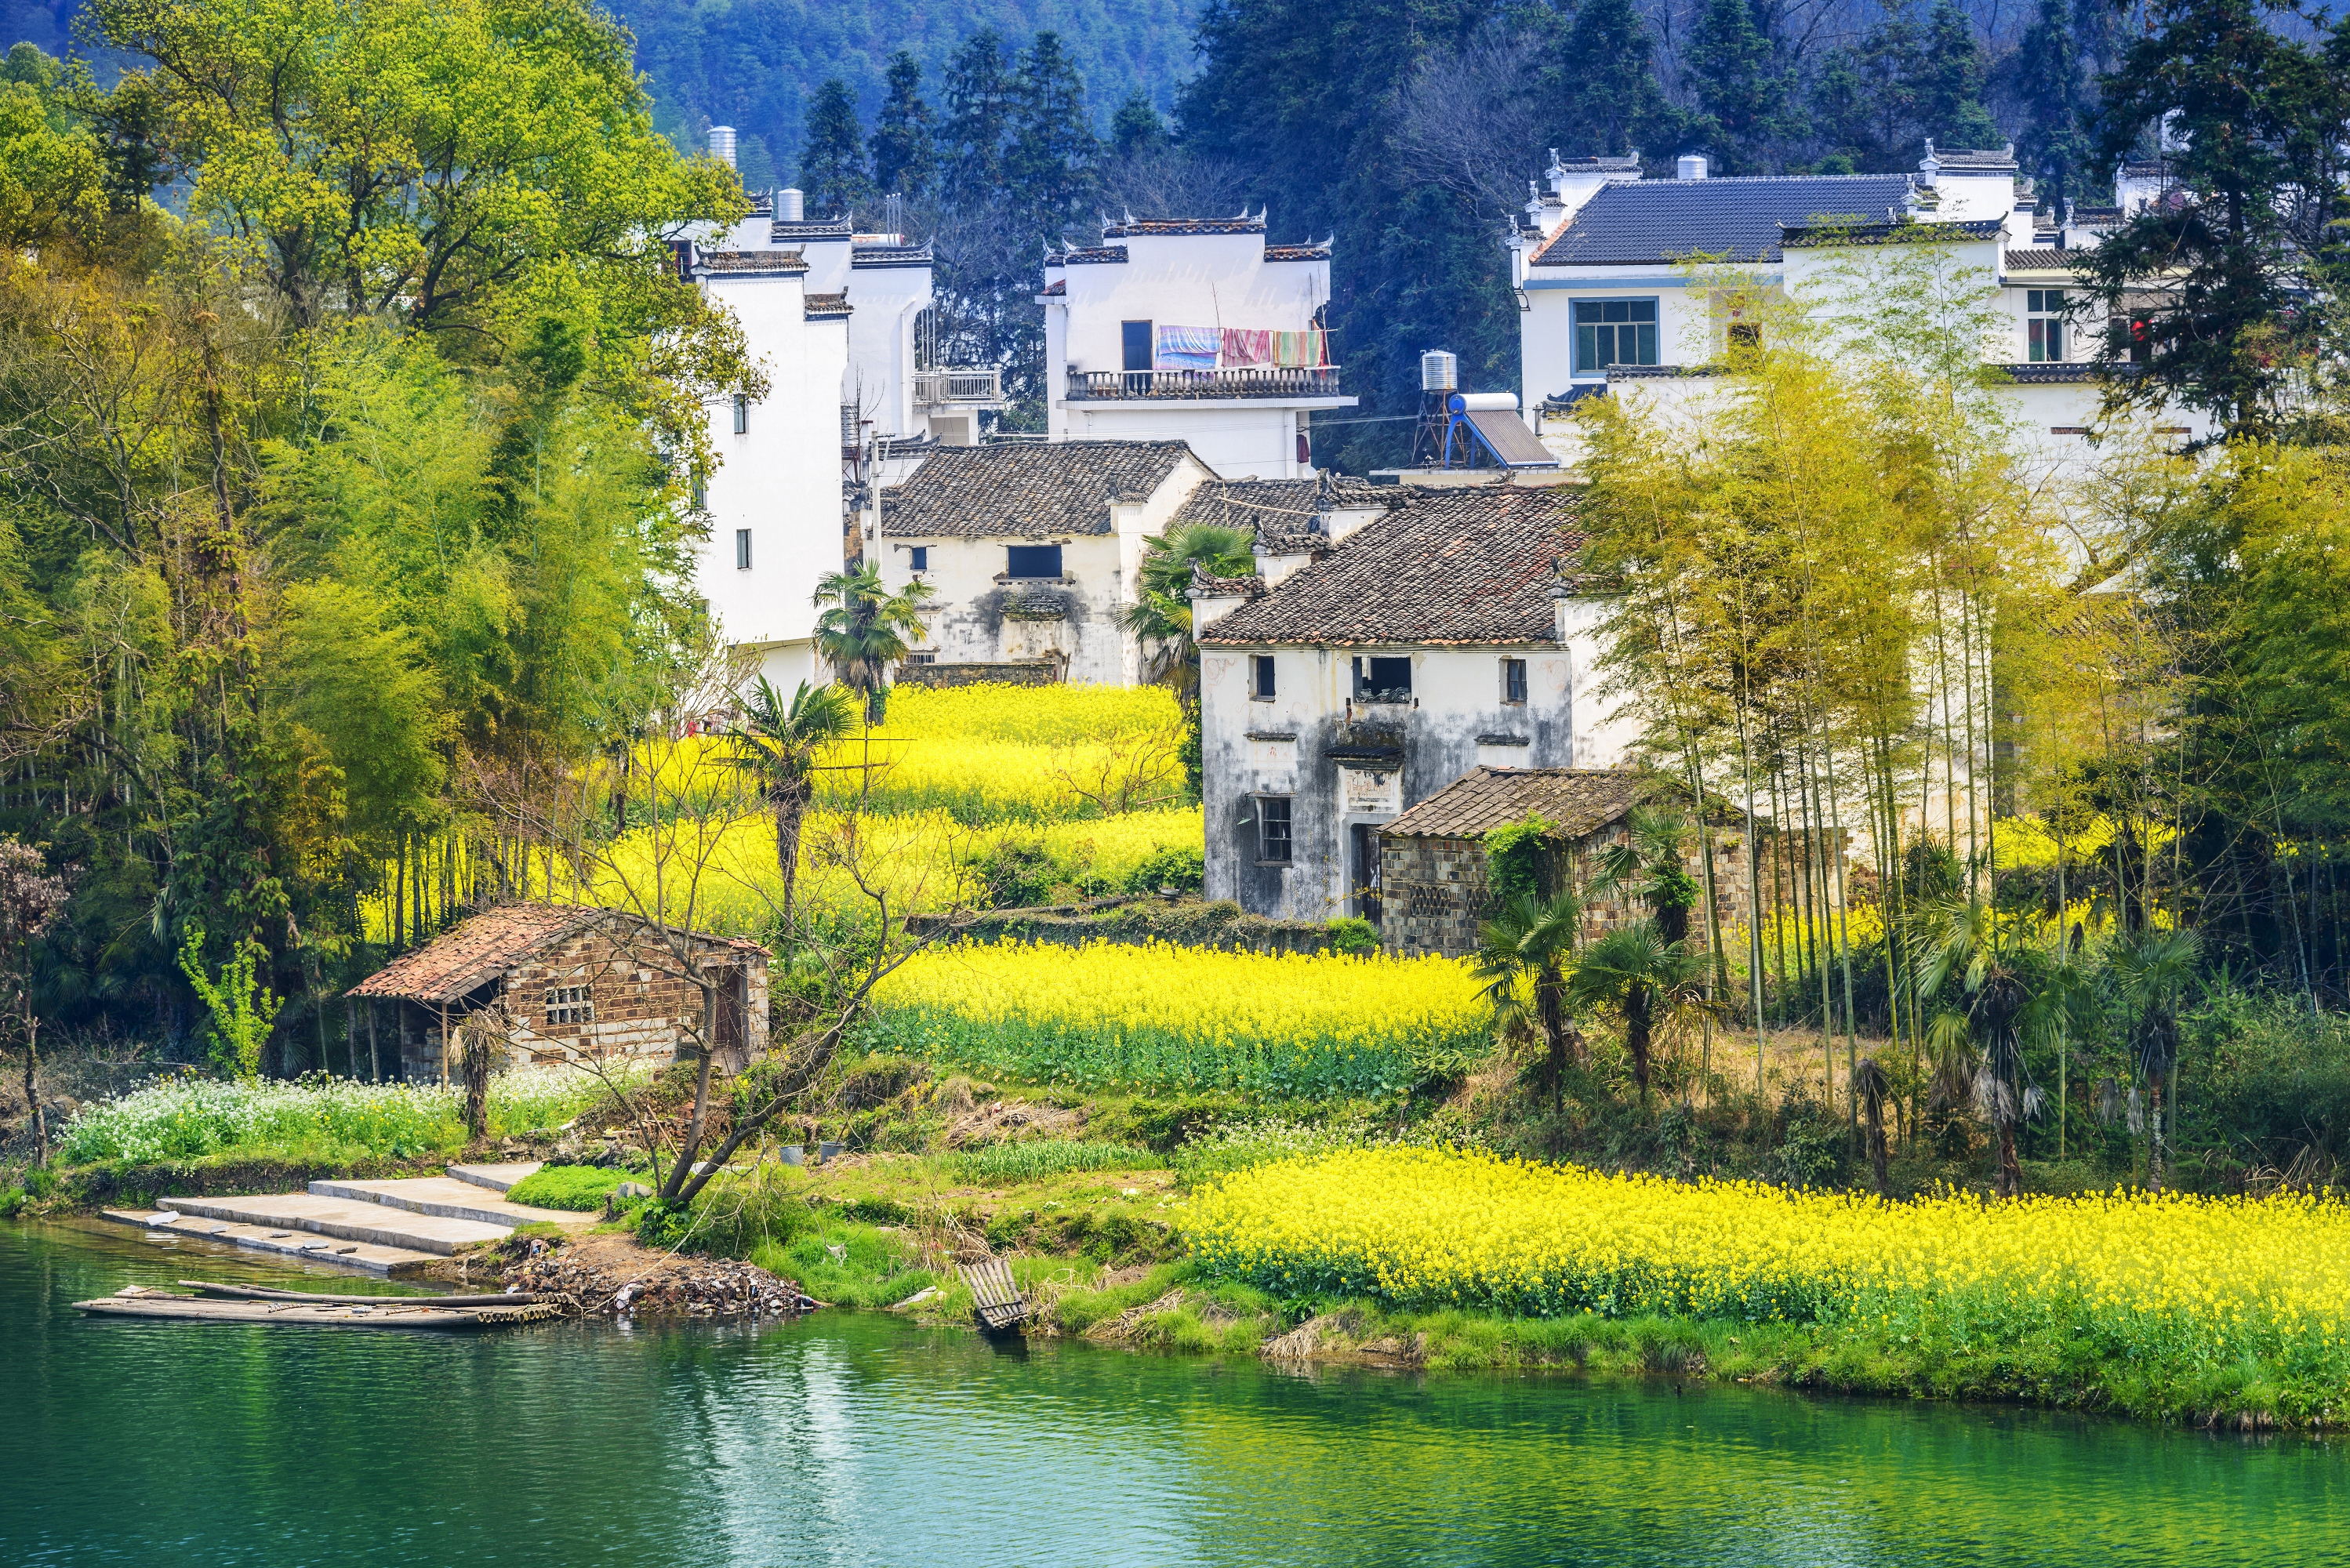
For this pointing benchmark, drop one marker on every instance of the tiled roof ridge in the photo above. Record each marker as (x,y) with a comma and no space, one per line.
(777,263)
(1026,490)
(1579,801)
(827,305)
(1128,228)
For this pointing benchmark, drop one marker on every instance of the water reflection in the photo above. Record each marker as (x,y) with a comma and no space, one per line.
(858,1439)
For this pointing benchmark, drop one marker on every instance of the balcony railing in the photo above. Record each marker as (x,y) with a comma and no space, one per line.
(1247,381)
(939,388)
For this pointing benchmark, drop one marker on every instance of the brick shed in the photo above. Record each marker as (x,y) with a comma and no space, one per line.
(575,983)
(1435,891)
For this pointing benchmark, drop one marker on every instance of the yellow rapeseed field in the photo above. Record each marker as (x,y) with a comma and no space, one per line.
(1162,1017)
(2194,1283)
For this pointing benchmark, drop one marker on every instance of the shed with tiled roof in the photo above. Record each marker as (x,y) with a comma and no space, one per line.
(557,982)
(1663,221)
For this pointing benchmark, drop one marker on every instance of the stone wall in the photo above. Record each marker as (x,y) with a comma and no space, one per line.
(1436,892)
(594,997)
(1026,672)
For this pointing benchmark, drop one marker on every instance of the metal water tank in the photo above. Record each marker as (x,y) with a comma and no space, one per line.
(1439,372)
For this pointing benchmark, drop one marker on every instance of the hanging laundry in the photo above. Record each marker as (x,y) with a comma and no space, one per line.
(1188,348)
(1247,345)
(1300,348)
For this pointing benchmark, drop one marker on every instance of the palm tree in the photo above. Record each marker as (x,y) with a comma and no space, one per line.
(1650,866)
(1873,1089)
(869,629)
(778,745)
(1650,981)
(2153,968)
(1161,612)
(2009,994)
(1522,965)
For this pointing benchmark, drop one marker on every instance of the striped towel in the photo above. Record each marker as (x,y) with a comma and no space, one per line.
(1188,348)
(1299,348)
(1247,345)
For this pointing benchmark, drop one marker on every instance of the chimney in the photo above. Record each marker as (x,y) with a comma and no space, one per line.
(1690,166)
(788,206)
(721,144)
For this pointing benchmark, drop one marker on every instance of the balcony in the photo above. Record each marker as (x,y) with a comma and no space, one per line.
(1246,381)
(946,388)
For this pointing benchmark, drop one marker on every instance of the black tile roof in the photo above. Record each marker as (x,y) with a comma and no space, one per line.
(1450,568)
(1138,226)
(1577,801)
(826,308)
(1086,256)
(1282,510)
(813,229)
(750,263)
(1025,490)
(1666,220)
(1297,253)
(2052,375)
(1890,233)
(889,256)
(2040,256)
(1988,161)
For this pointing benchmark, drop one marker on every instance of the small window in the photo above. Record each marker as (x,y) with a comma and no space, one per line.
(742,414)
(917,557)
(1033,560)
(1272,829)
(741,549)
(1261,677)
(1383,680)
(568,1004)
(2043,325)
(1134,344)
(1614,332)
(1514,681)
(921,658)
(701,492)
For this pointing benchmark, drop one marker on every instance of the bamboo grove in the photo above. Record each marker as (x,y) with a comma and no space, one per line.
(2057,715)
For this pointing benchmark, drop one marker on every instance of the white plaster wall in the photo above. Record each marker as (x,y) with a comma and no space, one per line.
(781,478)
(1238,440)
(1457,697)
(1186,280)
(883,302)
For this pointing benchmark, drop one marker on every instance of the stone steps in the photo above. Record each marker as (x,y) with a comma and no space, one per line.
(366,1256)
(448,1198)
(496,1178)
(349,1218)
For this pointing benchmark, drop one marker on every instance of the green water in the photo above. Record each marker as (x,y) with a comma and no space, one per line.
(854,1439)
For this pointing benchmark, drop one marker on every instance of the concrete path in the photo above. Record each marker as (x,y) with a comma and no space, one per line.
(449,1200)
(348,1219)
(388,1262)
(497,1178)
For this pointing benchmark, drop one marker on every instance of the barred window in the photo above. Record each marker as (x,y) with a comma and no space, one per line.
(570,1004)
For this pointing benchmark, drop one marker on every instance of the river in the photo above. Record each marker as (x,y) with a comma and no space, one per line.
(854,1439)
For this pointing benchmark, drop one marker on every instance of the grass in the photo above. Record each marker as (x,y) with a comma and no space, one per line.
(581,1188)
(1038,1158)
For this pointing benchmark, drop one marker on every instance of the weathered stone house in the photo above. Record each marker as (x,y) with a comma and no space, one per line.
(1033,551)
(571,984)
(1437,887)
(1380,653)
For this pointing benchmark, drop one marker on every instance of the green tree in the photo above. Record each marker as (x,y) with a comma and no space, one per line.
(1999,994)
(32,900)
(1160,616)
(1138,126)
(1523,958)
(52,180)
(1605,85)
(778,745)
(833,175)
(868,628)
(2152,968)
(1951,82)
(242,1005)
(2209,288)
(905,160)
(1747,94)
(1651,864)
(2053,86)
(1048,169)
(980,93)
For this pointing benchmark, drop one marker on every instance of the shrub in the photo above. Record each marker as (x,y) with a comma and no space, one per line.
(1040,1157)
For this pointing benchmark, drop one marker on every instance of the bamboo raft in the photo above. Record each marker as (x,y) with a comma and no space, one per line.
(235,1304)
(995,1301)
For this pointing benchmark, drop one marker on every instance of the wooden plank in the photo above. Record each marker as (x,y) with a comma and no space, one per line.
(394,1313)
(270,1294)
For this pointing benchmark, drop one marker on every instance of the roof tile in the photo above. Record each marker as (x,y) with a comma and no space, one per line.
(1579,800)
(1026,490)
(1661,220)
(1453,566)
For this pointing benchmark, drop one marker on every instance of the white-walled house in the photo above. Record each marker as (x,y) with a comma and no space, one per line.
(1612,272)
(1193,330)
(1033,551)
(774,501)
(1375,660)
